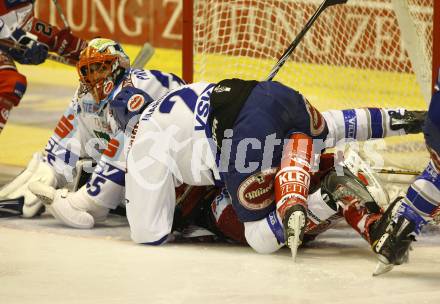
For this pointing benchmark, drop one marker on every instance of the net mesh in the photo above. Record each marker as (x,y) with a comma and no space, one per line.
(353,56)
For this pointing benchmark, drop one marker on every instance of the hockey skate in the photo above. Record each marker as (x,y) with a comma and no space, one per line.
(412,121)
(391,238)
(294,226)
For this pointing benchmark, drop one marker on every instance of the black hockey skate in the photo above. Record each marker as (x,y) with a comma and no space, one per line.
(294,226)
(391,240)
(412,121)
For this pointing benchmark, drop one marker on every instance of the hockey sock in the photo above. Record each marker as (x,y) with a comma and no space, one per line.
(423,195)
(362,124)
(293,179)
(359,217)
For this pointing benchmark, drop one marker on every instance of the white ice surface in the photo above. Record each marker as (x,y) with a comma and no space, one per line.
(42,262)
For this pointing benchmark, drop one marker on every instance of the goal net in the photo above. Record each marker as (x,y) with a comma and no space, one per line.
(362,53)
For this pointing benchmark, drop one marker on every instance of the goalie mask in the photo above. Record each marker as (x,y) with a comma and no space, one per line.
(100,67)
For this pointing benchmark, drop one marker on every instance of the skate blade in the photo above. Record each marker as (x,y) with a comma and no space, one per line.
(382,268)
(296,222)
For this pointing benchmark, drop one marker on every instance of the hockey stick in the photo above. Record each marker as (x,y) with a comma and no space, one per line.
(17,46)
(11,207)
(143,56)
(396,171)
(299,37)
(60,12)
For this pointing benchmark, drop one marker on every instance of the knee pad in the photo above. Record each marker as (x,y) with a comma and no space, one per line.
(12,87)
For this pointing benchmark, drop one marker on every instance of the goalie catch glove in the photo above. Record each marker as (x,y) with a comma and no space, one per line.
(74,209)
(36,170)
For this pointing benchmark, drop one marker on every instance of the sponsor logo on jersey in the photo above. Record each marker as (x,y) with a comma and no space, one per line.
(202,111)
(64,126)
(112,148)
(102,135)
(256,192)
(135,102)
(91,108)
(317,122)
(221,89)
(108,87)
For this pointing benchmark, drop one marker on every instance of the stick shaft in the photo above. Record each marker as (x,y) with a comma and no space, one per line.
(60,12)
(301,35)
(17,46)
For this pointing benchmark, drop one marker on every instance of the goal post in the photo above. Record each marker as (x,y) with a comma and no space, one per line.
(188,41)
(436,42)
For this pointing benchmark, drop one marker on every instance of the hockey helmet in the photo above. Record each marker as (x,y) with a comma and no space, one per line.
(101,66)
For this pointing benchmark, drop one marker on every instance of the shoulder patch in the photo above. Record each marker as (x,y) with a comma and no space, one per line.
(135,102)
(317,122)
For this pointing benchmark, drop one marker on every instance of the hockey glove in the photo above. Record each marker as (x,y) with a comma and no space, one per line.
(68,45)
(33,51)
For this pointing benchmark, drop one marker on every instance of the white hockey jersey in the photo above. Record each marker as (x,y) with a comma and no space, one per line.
(171,145)
(87,130)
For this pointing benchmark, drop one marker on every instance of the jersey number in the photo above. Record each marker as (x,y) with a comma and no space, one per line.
(94,186)
(43,28)
(188,96)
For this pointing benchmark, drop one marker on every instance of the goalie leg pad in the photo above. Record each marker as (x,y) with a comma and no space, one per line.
(36,170)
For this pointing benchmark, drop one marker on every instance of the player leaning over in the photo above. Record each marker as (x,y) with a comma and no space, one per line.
(405,218)
(232,134)
(17,24)
(85,131)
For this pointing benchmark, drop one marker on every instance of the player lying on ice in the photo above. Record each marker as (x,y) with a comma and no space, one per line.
(87,122)
(19,26)
(405,218)
(254,138)
(85,130)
